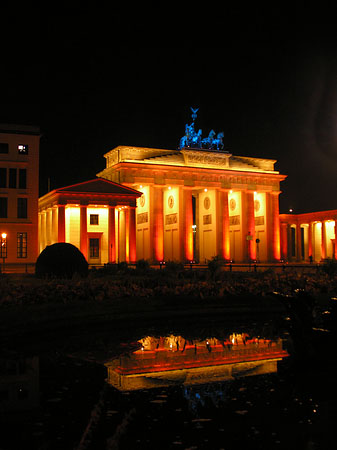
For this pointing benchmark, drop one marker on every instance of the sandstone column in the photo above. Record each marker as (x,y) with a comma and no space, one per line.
(132,234)
(61,222)
(187,225)
(112,234)
(83,231)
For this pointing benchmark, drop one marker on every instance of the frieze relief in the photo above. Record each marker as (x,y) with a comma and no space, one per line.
(207,219)
(234,220)
(142,218)
(171,219)
(205,159)
(259,220)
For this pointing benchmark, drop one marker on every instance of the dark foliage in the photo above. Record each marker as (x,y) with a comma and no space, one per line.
(61,260)
(330,267)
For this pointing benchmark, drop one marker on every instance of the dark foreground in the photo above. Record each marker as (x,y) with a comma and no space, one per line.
(62,334)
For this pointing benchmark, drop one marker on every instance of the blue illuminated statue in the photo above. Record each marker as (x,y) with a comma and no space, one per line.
(193,139)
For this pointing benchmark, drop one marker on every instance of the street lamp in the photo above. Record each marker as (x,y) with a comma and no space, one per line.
(3,249)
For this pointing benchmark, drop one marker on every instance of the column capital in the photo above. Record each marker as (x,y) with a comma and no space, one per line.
(188,188)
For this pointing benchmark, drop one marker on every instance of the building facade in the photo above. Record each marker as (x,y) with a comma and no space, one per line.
(19,193)
(309,237)
(97,216)
(200,203)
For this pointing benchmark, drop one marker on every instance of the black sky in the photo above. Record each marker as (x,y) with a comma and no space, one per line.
(95,79)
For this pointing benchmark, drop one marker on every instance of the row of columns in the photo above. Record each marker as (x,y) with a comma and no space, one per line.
(130,232)
(186,230)
(285,239)
(223,242)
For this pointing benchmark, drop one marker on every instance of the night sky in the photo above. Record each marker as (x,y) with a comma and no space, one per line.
(95,79)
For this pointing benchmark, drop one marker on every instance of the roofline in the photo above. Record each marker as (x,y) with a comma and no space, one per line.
(63,192)
(62,189)
(286,216)
(188,148)
(11,128)
(274,173)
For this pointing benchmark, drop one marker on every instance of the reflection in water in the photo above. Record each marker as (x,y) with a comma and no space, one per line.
(19,384)
(173,359)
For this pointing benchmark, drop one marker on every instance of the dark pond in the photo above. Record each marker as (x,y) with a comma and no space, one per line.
(217,384)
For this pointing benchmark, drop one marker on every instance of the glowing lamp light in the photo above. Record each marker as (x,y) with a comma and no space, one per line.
(205,189)
(169,188)
(4,235)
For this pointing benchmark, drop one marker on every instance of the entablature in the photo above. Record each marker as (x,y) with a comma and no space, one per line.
(201,158)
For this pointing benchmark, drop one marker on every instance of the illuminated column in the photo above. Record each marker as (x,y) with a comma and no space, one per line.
(224,225)
(158,224)
(323,241)
(112,234)
(298,242)
(43,227)
(284,241)
(40,231)
(83,231)
(132,234)
(127,235)
(310,230)
(61,223)
(274,226)
(187,224)
(249,230)
(335,252)
(122,228)
(48,226)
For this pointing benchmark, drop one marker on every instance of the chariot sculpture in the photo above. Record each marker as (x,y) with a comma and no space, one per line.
(193,138)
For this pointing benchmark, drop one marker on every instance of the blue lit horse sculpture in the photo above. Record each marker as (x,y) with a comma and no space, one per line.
(194,139)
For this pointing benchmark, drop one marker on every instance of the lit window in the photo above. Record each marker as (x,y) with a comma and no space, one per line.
(23,149)
(94,219)
(94,248)
(22,245)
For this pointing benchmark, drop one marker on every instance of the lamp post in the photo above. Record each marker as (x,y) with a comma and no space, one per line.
(3,249)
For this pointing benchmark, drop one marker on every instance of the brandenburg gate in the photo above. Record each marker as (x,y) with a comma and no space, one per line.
(200,201)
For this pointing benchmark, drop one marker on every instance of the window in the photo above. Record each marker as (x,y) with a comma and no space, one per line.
(22,178)
(3,176)
(94,247)
(3,147)
(23,149)
(22,245)
(94,219)
(3,207)
(22,208)
(12,178)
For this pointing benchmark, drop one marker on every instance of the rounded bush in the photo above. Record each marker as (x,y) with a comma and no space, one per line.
(61,260)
